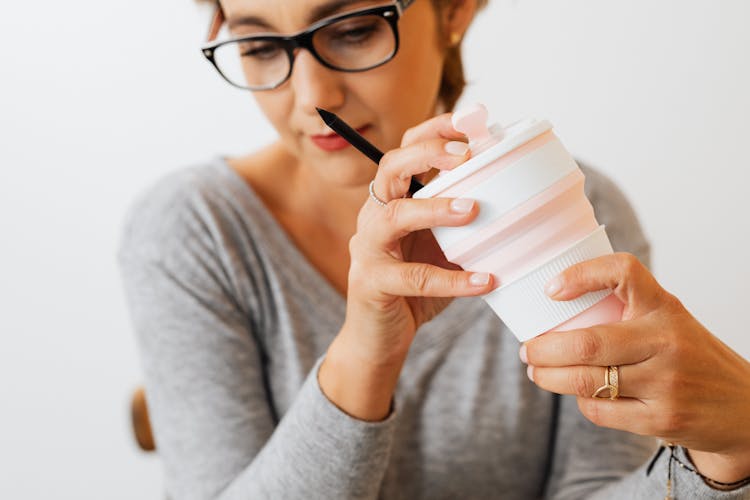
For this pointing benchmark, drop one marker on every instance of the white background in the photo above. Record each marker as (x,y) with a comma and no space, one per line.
(98,99)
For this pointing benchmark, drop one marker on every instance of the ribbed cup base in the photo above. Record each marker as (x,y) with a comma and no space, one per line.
(607,310)
(528,311)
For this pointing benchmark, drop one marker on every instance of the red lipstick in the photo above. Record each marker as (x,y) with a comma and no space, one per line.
(334,142)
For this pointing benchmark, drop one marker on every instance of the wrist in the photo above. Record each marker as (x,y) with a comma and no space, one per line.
(726,468)
(361,388)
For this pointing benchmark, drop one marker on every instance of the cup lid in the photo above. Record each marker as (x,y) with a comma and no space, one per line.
(486,143)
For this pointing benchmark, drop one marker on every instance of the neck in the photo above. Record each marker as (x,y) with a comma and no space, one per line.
(333,206)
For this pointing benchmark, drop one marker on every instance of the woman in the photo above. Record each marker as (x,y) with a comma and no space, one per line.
(299,340)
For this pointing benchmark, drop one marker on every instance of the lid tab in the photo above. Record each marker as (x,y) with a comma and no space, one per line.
(472,121)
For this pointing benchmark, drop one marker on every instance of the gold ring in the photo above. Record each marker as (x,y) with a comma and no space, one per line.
(611,383)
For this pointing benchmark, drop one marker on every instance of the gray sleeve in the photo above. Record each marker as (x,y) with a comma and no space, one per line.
(598,463)
(213,425)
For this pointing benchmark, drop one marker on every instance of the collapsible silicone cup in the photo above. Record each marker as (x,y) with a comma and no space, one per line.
(534,221)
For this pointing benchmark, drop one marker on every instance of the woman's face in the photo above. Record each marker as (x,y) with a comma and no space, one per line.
(387,100)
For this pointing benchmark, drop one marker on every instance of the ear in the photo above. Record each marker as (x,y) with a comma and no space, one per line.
(456,18)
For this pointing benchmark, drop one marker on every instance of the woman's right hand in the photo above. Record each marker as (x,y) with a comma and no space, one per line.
(398,277)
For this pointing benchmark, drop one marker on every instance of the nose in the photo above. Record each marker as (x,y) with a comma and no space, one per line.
(314,85)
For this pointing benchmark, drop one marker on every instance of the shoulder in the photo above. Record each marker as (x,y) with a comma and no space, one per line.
(174,211)
(606,196)
(198,230)
(613,209)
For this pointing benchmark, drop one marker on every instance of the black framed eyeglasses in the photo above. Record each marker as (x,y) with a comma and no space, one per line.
(351,42)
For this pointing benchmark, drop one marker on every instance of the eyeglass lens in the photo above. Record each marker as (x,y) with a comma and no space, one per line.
(355,43)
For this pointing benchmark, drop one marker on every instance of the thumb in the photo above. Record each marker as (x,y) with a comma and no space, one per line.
(621,272)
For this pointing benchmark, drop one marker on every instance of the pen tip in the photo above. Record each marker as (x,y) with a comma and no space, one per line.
(327,116)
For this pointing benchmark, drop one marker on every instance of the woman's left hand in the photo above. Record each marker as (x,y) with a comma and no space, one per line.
(677,381)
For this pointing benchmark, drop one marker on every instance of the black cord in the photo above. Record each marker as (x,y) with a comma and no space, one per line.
(711,482)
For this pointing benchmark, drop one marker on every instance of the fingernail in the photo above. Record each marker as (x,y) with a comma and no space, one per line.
(462,205)
(522,354)
(530,372)
(553,286)
(479,279)
(457,148)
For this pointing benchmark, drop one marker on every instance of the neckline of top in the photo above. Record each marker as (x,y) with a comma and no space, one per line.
(468,308)
(246,192)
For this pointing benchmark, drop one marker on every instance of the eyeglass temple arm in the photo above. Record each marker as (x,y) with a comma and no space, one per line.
(216,22)
(405,3)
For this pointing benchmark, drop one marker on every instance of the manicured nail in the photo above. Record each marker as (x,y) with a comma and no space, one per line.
(553,286)
(457,148)
(530,372)
(462,205)
(479,279)
(522,354)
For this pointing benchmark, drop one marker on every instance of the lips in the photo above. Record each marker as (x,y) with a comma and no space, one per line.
(334,142)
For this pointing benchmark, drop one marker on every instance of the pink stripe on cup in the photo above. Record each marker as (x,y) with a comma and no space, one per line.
(536,246)
(464,185)
(524,215)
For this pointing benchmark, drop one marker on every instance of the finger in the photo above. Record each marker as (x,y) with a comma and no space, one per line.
(625,414)
(584,381)
(398,166)
(622,272)
(404,216)
(408,279)
(621,343)
(439,126)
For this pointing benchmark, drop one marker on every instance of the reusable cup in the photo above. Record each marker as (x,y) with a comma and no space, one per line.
(534,222)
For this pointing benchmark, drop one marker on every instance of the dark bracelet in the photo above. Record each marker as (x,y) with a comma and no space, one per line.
(713,483)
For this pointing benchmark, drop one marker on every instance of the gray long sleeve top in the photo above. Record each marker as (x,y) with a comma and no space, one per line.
(232,323)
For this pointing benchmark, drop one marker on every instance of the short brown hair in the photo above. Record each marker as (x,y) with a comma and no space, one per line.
(452,82)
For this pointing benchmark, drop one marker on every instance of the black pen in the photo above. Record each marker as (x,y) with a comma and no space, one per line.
(355,139)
